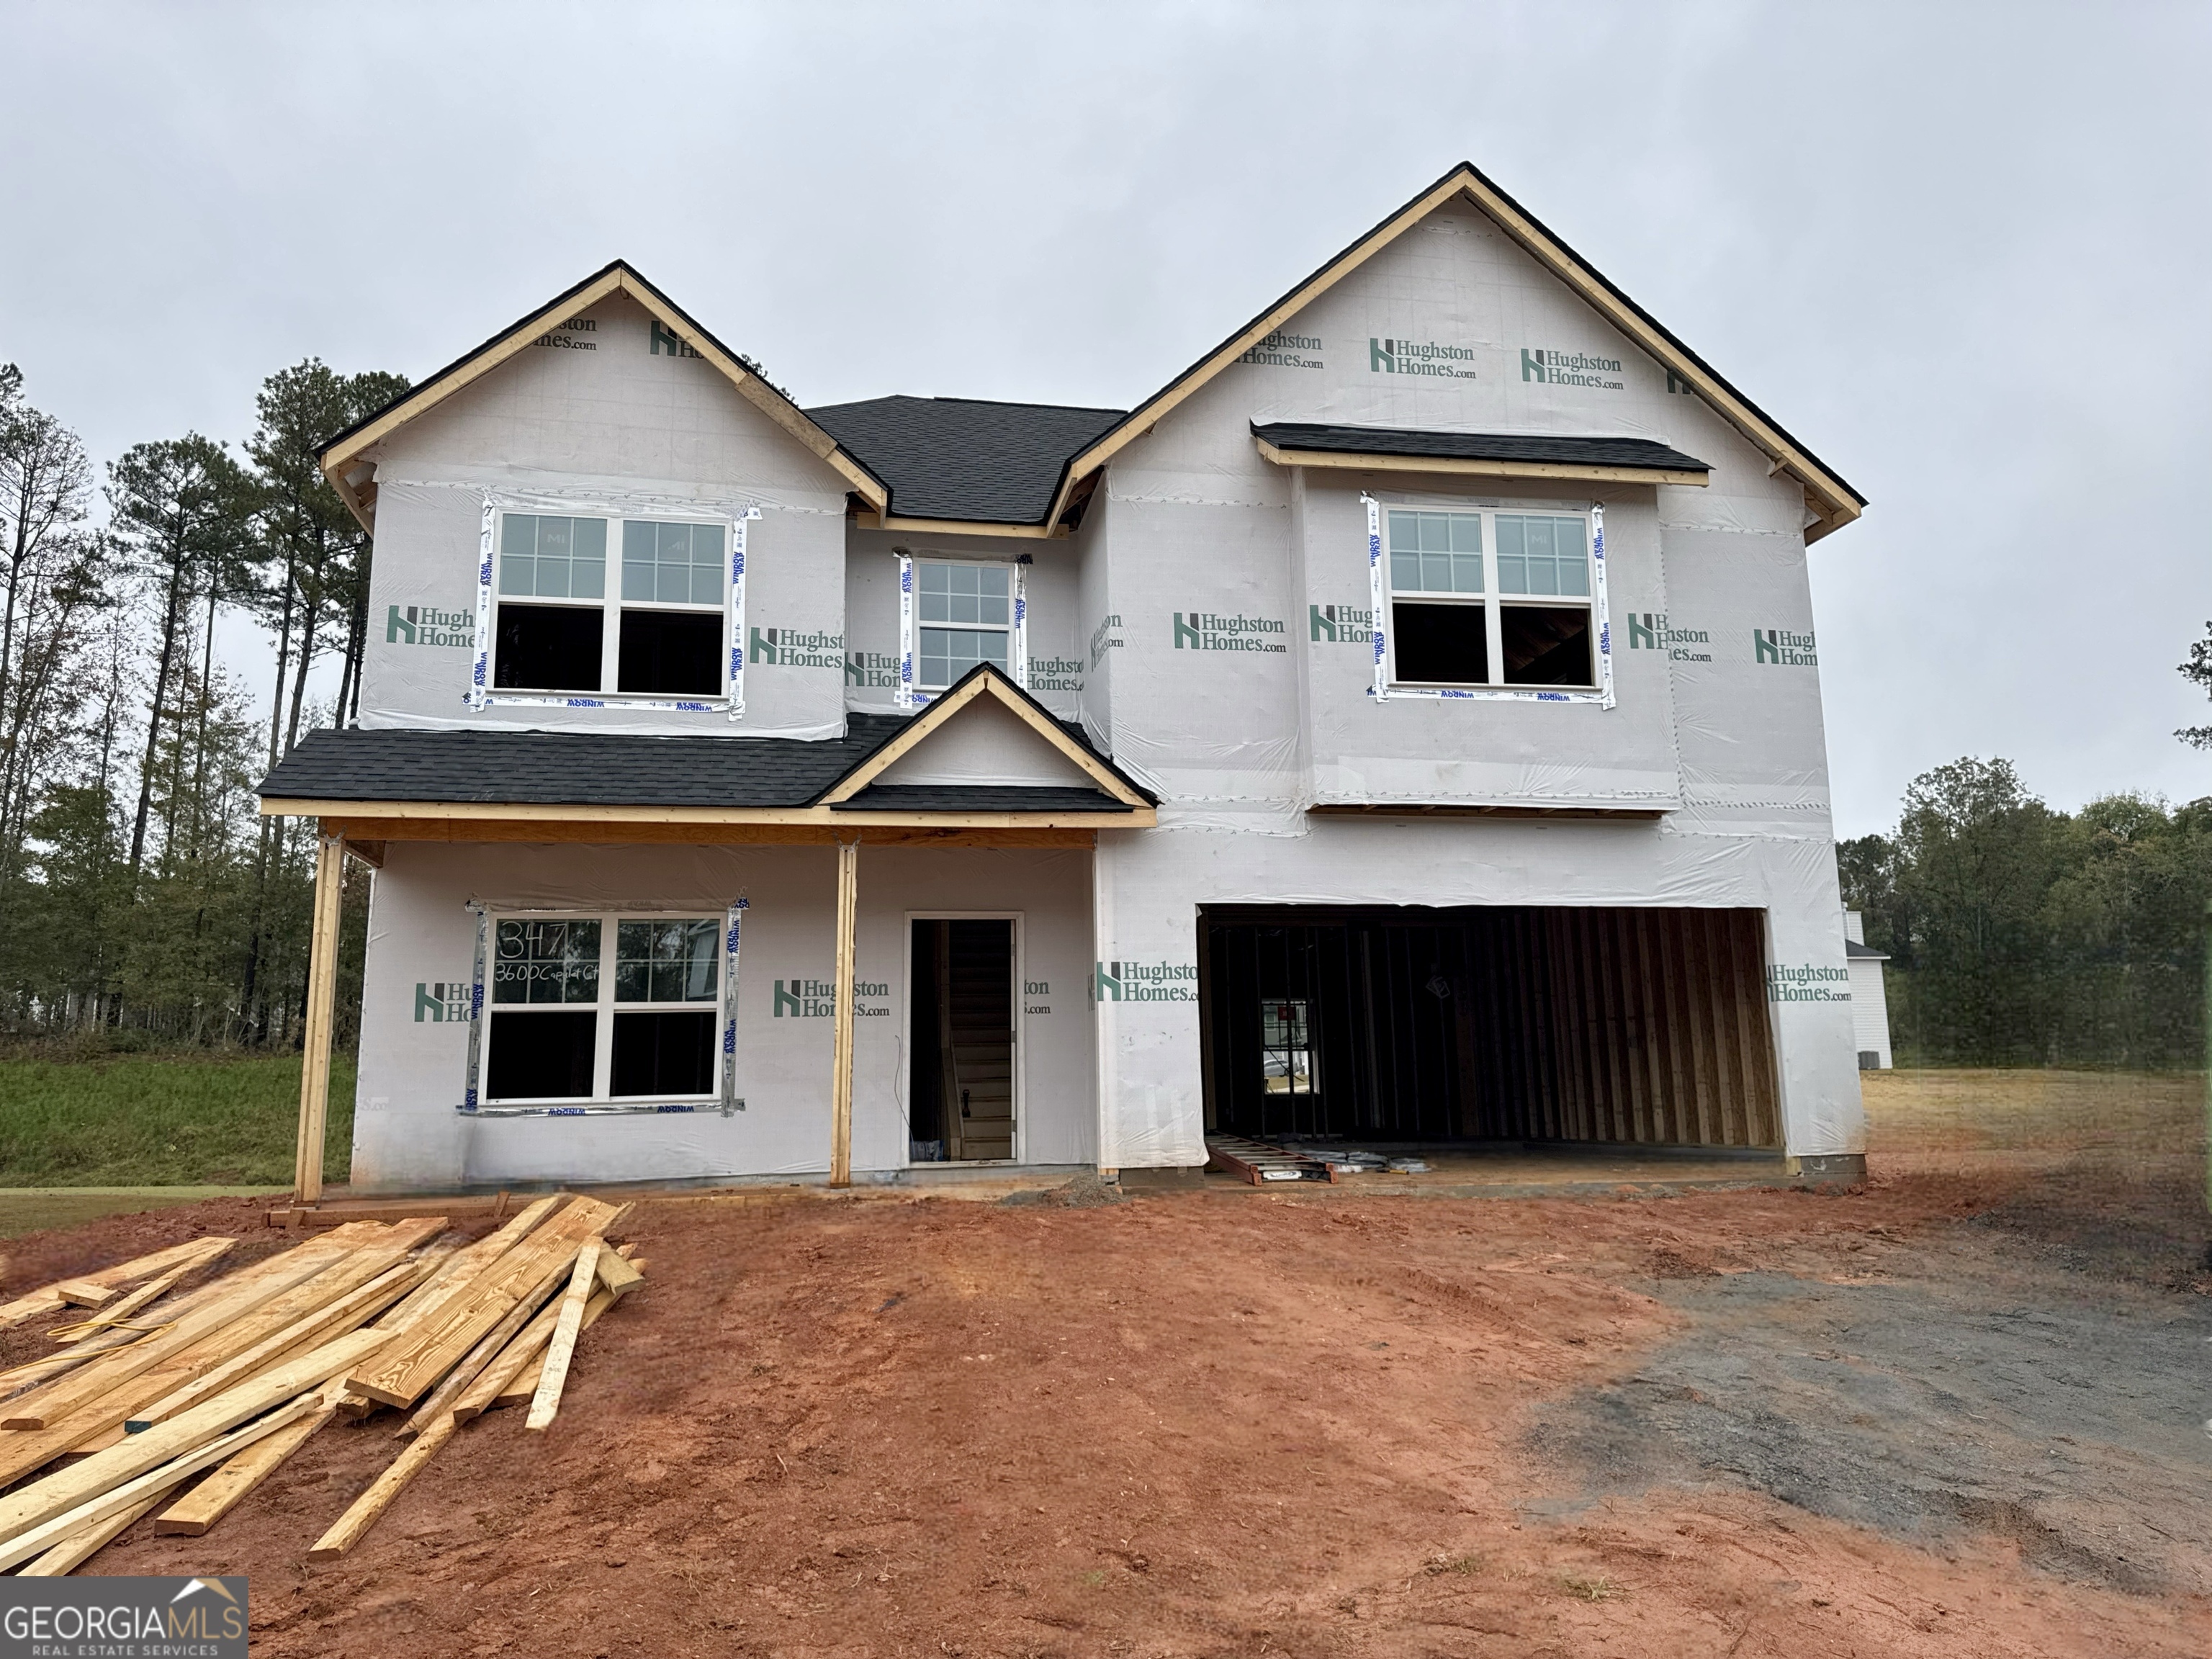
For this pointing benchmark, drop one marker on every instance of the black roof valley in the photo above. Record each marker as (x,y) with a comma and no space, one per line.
(962,458)
(1642,453)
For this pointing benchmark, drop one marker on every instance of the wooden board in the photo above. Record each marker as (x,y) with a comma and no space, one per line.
(1257,1162)
(72,1553)
(221,1493)
(554,1375)
(194,1253)
(349,1528)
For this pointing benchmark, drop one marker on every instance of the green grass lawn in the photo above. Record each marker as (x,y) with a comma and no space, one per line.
(172,1120)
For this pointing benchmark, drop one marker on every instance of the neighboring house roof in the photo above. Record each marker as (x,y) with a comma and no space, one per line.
(1857,952)
(961,458)
(592,768)
(1827,493)
(617,277)
(1631,460)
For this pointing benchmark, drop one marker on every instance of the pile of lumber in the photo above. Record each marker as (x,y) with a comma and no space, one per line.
(183,1402)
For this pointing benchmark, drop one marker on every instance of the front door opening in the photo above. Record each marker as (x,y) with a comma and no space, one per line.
(961,1078)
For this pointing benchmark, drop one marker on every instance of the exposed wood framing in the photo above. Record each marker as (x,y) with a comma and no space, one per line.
(322,1004)
(1473,468)
(840,1075)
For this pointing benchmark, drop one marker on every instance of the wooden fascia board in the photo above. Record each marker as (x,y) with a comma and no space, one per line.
(959,527)
(1837,502)
(1487,469)
(392,817)
(764,397)
(1148,415)
(619,279)
(1596,294)
(938,712)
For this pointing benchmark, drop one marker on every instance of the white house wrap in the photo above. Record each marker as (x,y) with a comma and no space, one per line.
(1404,727)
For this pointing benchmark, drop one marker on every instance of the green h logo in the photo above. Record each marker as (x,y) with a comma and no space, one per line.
(764,648)
(856,670)
(1318,626)
(787,1000)
(1676,383)
(399,630)
(660,337)
(1766,649)
(1186,630)
(1641,635)
(1107,987)
(429,1002)
(1382,356)
(1532,364)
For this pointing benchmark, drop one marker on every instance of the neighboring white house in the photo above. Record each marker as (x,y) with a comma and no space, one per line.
(1869,1002)
(1405,724)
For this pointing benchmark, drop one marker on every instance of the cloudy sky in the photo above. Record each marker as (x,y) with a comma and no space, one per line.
(1958,250)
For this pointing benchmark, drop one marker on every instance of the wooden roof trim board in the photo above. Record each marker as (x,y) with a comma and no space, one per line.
(1485,469)
(1829,495)
(981,681)
(392,816)
(616,278)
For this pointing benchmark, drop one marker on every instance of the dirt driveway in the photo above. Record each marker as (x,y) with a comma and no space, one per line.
(1940,1416)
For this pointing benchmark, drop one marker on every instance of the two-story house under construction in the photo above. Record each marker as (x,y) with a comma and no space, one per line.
(1404,727)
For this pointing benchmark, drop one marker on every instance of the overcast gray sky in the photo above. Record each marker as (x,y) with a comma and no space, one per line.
(1958,250)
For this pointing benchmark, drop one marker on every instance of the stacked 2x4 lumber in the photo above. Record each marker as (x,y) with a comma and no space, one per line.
(193,1400)
(196,1253)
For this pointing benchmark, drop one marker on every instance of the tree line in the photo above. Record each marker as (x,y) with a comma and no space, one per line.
(2020,935)
(141,896)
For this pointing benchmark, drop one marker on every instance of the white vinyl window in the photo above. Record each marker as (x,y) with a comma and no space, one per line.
(1491,598)
(602,1008)
(659,630)
(965,614)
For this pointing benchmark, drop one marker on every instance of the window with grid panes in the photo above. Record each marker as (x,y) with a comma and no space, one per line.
(602,1008)
(1489,598)
(964,615)
(558,628)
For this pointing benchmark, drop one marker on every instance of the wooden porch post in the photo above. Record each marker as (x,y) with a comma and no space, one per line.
(840,1083)
(322,997)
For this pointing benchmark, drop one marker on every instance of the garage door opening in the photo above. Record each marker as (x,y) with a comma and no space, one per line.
(1414,1025)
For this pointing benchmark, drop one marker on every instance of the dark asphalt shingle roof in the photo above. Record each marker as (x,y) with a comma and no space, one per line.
(1477,445)
(573,768)
(1852,948)
(977,797)
(960,457)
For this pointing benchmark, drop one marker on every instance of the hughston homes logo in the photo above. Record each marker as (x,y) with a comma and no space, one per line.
(1784,648)
(787,648)
(1652,633)
(1340,624)
(1281,350)
(1397,355)
(661,339)
(1805,983)
(1554,368)
(1107,637)
(1207,631)
(1146,982)
(817,999)
(440,999)
(871,669)
(570,335)
(1055,674)
(423,624)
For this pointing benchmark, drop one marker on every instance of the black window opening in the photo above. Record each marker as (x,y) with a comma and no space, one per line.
(1412,1025)
(663,1053)
(542,1055)
(549,647)
(675,654)
(1545,645)
(1441,644)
